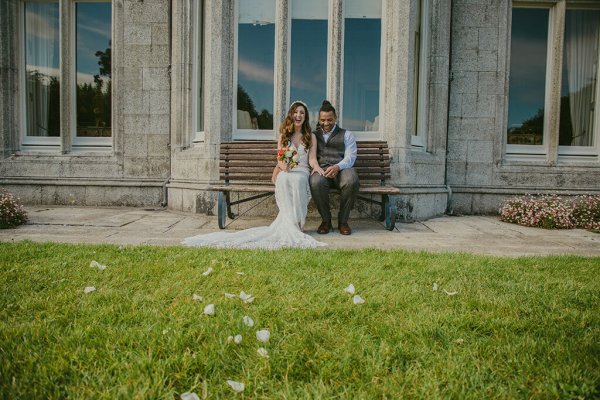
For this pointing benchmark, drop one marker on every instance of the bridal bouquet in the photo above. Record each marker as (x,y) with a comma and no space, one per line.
(288,155)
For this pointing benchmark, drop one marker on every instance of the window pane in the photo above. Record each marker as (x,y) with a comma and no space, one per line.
(527,76)
(308,79)
(93,54)
(200,68)
(42,105)
(362,49)
(579,75)
(256,47)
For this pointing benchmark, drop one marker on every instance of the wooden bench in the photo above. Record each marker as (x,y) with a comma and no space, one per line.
(247,167)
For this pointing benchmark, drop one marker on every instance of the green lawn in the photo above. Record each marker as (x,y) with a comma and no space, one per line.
(517,328)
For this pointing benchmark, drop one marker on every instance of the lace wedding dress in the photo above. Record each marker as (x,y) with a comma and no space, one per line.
(292,193)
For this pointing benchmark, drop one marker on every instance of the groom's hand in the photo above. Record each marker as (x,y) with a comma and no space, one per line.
(332,171)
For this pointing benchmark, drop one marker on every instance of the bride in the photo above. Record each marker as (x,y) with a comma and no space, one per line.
(292,193)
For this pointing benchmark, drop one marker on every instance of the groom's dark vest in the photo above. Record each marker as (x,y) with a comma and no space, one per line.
(332,152)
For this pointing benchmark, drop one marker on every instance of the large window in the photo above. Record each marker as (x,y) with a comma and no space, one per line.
(93,77)
(322,55)
(89,38)
(255,64)
(421,75)
(362,49)
(308,78)
(198,81)
(42,78)
(549,74)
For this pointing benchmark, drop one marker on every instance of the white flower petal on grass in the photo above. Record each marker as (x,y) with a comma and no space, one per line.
(209,309)
(246,298)
(350,289)
(229,339)
(96,264)
(358,300)
(89,289)
(208,271)
(459,341)
(240,273)
(450,293)
(237,387)
(263,352)
(189,396)
(434,287)
(230,295)
(197,297)
(248,321)
(263,335)
(237,339)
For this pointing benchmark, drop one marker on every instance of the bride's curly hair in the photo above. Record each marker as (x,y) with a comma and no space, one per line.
(287,127)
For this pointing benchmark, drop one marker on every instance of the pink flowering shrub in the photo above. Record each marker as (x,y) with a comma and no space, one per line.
(552,211)
(12,212)
(586,212)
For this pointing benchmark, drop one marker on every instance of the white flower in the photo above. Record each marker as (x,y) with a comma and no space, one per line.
(208,271)
(246,298)
(237,387)
(295,158)
(89,289)
(189,396)
(248,321)
(230,295)
(358,300)
(289,153)
(197,297)
(96,264)
(350,289)
(435,287)
(209,309)
(450,293)
(237,339)
(240,273)
(263,335)
(263,352)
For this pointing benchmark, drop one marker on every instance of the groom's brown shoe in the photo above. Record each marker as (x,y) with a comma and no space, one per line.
(325,227)
(344,229)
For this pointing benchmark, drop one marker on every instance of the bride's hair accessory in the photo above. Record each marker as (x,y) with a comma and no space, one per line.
(299,102)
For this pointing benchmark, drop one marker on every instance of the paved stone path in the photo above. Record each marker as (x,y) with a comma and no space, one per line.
(136,226)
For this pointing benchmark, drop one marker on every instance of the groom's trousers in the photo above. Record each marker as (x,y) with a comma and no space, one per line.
(346,181)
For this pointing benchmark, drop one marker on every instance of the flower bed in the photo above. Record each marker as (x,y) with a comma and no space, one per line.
(12,212)
(553,211)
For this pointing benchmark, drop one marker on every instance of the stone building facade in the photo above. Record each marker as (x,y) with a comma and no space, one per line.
(443,90)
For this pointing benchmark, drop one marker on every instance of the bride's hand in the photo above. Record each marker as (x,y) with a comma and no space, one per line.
(318,171)
(282,165)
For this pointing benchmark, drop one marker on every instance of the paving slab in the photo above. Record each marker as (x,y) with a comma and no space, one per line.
(161,227)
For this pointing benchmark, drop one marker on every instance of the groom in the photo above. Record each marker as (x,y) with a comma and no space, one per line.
(336,153)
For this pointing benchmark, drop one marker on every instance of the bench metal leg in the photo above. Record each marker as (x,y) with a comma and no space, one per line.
(388,212)
(224,209)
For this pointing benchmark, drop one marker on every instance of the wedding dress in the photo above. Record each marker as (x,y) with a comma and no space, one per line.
(292,193)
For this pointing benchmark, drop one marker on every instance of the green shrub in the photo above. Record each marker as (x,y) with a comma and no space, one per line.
(12,212)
